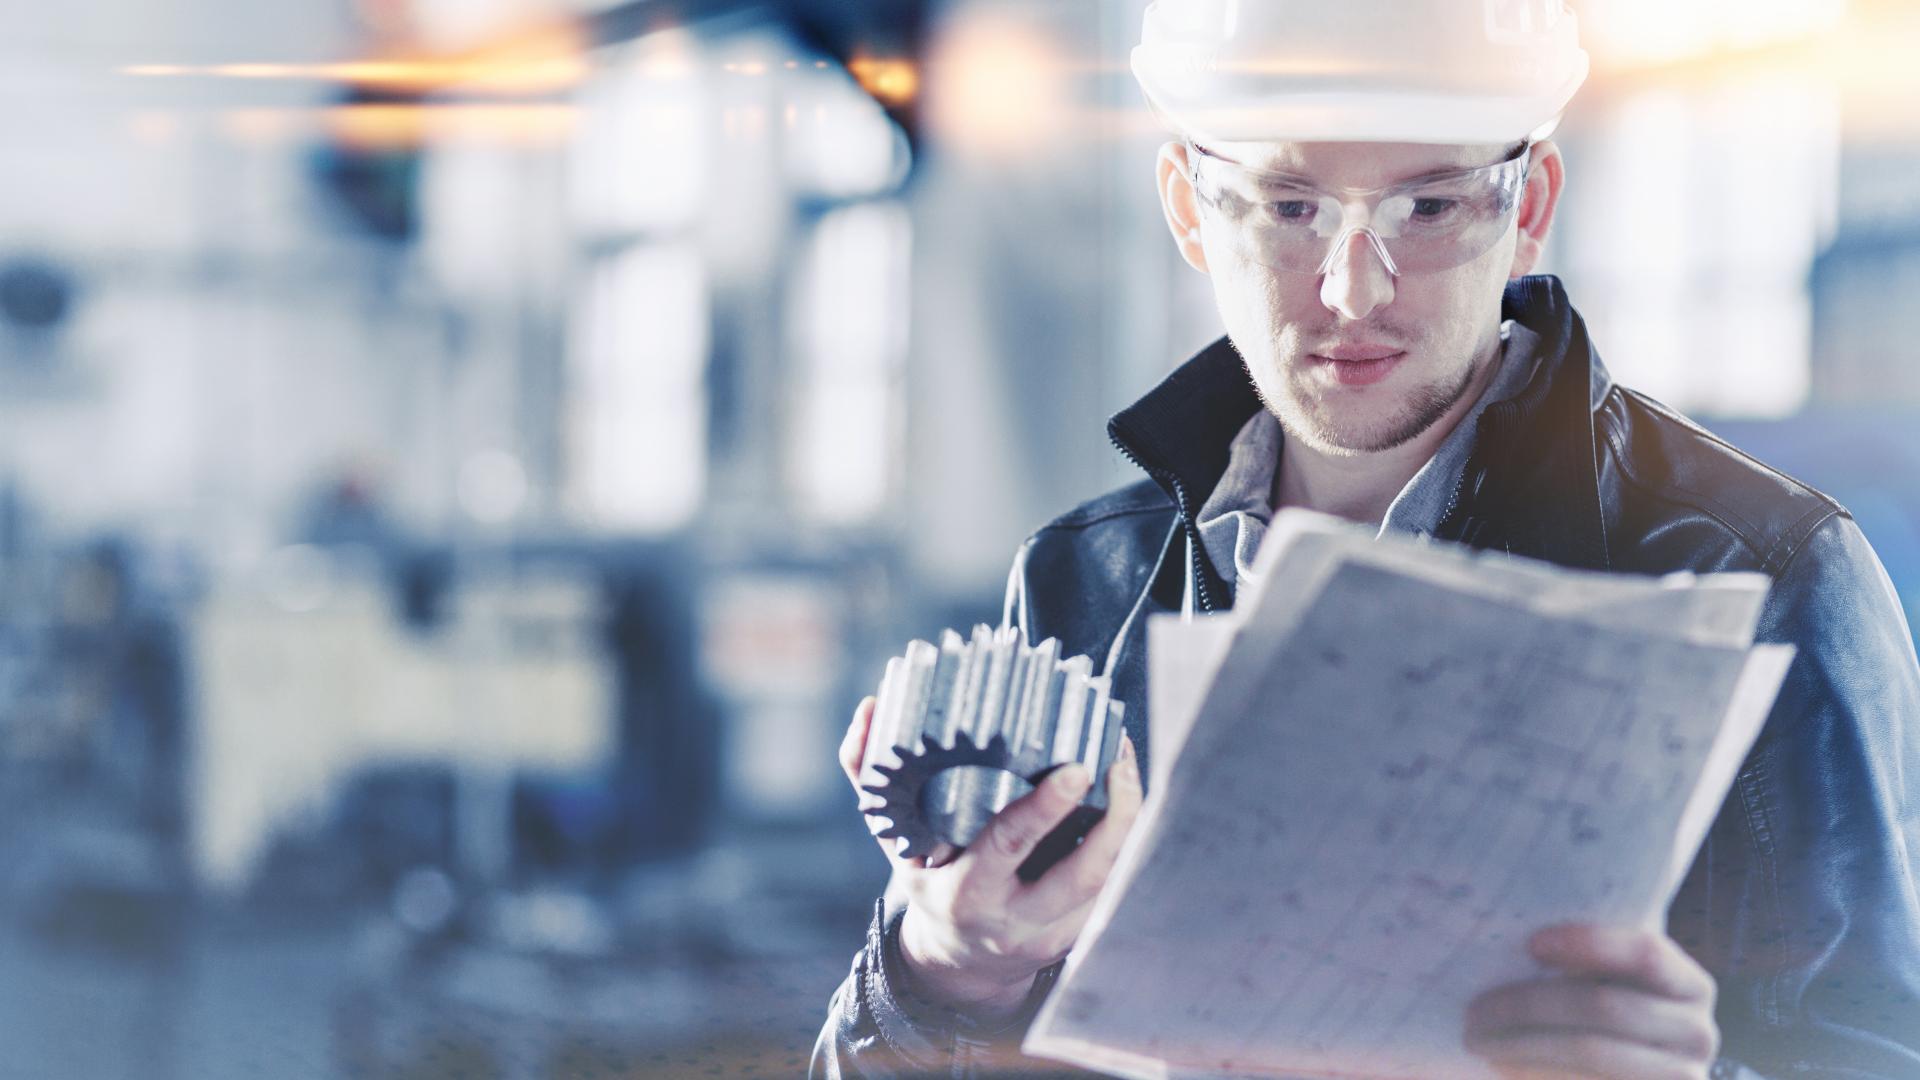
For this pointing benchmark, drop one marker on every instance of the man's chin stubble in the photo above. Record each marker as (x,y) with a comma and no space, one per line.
(1302,420)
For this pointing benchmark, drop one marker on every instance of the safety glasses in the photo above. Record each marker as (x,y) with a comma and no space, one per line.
(1417,226)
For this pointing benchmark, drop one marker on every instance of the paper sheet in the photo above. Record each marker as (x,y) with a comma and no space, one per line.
(1302,549)
(1194,649)
(1362,827)
(1752,700)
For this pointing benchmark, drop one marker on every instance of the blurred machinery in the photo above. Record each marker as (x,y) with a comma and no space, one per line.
(36,295)
(310,678)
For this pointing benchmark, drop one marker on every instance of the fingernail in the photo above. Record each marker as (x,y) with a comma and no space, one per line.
(1072,780)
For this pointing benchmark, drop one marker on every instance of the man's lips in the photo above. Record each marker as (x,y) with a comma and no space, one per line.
(1358,365)
(1361,351)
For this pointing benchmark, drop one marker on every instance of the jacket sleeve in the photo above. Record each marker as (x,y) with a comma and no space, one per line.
(1802,901)
(877,1027)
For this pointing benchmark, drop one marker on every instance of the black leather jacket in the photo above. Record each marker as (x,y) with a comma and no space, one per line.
(1803,902)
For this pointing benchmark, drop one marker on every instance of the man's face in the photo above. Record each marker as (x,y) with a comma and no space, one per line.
(1356,360)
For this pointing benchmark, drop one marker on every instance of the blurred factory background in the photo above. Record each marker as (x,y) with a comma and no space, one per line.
(461,461)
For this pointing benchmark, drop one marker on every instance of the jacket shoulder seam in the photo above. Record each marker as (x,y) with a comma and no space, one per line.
(1083,522)
(1789,545)
(1085,516)
(1776,554)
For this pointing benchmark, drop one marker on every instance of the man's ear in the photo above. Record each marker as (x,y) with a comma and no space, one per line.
(1182,209)
(1537,203)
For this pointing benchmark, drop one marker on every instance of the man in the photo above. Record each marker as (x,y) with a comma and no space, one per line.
(1368,184)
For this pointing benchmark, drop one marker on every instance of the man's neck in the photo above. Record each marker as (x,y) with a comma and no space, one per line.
(1360,487)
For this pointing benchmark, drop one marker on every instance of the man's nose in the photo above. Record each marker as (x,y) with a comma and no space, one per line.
(1357,279)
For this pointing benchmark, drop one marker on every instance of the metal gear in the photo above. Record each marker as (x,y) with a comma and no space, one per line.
(909,786)
(963,729)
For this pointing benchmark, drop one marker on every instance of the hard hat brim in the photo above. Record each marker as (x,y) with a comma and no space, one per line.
(1268,115)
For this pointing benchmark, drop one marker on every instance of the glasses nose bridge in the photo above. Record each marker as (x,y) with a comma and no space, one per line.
(1374,241)
(1348,199)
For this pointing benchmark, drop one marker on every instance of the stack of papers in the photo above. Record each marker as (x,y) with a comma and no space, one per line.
(1377,777)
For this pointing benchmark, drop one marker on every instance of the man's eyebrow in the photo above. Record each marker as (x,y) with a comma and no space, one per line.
(1277,172)
(1431,173)
(1297,179)
(1508,153)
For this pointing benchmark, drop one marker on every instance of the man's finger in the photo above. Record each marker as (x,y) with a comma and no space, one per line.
(853,746)
(1601,1008)
(1582,1053)
(1624,954)
(1073,882)
(1011,836)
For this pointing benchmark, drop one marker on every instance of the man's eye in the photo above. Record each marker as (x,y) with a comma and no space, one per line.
(1434,208)
(1287,212)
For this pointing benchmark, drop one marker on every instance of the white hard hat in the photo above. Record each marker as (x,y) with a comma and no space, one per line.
(1430,71)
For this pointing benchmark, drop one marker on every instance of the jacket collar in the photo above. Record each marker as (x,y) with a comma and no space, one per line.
(1536,468)
(1531,485)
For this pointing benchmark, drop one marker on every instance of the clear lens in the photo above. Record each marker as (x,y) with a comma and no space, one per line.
(1425,225)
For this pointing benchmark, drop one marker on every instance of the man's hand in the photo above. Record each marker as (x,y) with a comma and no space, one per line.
(1628,1004)
(974,934)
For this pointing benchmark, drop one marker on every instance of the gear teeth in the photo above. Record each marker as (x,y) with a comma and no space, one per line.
(990,701)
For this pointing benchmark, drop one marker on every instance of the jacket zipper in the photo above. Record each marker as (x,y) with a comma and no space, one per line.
(1192,531)
(1453,501)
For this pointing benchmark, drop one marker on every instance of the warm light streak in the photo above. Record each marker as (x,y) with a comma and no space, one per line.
(404,127)
(535,63)
(534,67)
(890,81)
(417,75)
